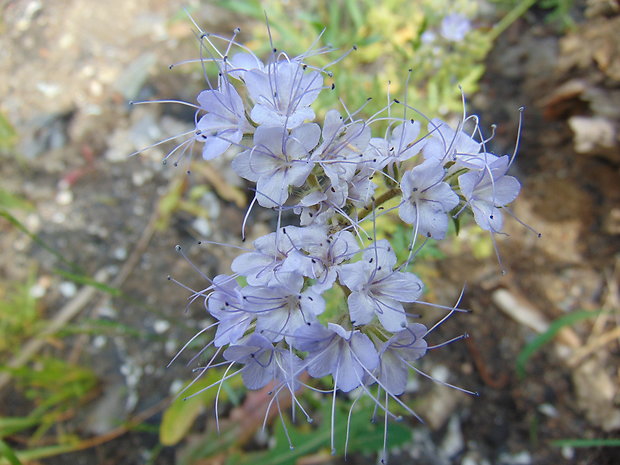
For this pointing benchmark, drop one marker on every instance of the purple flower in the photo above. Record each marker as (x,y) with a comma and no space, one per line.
(348,356)
(326,252)
(444,144)
(487,190)
(454,27)
(397,354)
(226,304)
(277,161)
(342,148)
(282,308)
(283,93)
(264,363)
(275,255)
(400,145)
(376,289)
(427,199)
(224,123)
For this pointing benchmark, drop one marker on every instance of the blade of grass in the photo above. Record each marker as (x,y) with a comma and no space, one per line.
(610,442)
(7,453)
(88,281)
(356,14)
(547,336)
(36,239)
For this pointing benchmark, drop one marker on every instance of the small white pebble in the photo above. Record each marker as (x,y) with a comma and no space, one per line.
(568,452)
(171,346)
(107,312)
(67,289)
(58,217)
(549,410)
(202,227)
(37,291)
(161,326)
(176,386)
(48,89)
(440,373)
(99,341)
(120,253)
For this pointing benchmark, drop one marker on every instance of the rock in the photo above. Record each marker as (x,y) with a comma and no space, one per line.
(597,394)
(593,135)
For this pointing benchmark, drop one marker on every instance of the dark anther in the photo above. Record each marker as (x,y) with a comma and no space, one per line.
(396,101)
(354,47)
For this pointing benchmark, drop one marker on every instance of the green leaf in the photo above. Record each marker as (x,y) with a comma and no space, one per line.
(183,411)
(8,200)
(8,135)
(356,14)
(7,453)
(35,238)
(44,452)
(249,8)
(12,425)
(86,280)
(547,336)
(364,436)
(609,442)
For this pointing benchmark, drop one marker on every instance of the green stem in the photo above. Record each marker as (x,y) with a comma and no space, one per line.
(510,18)
(380,201)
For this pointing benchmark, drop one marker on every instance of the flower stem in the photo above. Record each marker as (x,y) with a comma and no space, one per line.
(380,201)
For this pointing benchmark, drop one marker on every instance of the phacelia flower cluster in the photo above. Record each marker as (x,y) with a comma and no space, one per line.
(275,323)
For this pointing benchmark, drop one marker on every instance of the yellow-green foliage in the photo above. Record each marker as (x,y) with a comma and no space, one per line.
(18,315)
(388,36)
